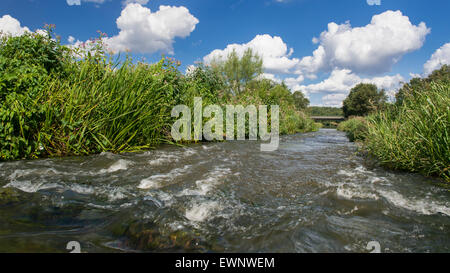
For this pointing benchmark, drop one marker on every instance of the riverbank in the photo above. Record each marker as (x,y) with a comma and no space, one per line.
(413,135)
(61,101)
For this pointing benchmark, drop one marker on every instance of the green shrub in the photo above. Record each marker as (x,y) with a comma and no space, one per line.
(355,127)
(26,63)
(57,101)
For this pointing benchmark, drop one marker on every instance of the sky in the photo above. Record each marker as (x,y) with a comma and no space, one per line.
(322,48)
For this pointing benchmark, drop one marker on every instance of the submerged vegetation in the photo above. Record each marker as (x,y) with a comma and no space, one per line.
(57,100)
(414,133)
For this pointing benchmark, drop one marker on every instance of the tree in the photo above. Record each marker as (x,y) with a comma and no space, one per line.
(300,101)
(237,71)
(441,75)
(363,99)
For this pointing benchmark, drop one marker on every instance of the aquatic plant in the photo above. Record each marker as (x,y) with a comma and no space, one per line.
(414,135)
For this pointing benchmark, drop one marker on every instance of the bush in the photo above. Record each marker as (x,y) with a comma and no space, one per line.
(26,63)
(356,128)
(57,101)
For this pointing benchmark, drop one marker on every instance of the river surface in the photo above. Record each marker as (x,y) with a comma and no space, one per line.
(315,194)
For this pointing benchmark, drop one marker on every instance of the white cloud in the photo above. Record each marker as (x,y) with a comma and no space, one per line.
(340,82)
(11,26)
(73,2)
(333,100)
(294,83)
(78,2)
(274,52)
(71,39)
(439,58)
(144,31)
(374,2)
(271,77)
(141,2)
(370,49)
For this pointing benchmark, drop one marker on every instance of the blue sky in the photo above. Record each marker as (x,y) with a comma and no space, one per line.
(384,44)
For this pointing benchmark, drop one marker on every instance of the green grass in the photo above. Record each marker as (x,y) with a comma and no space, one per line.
(414,136)
(55,101)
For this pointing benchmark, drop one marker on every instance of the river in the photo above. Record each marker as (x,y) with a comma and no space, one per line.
(315,194)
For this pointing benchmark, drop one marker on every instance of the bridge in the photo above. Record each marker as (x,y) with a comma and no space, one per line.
(328,118)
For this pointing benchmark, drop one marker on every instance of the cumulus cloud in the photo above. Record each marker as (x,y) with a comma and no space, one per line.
(294,83)
(11,26)
(274,52)
(340,82)
(271,77)
(333,100)
(371,49)
(144,31)
(439,58)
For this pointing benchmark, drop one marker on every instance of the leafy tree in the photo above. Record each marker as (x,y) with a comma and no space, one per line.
(441,75)
(204,82)
(363,99)
(238,72)
(300,101)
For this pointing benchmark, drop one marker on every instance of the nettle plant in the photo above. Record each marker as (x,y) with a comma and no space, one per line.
(25,65)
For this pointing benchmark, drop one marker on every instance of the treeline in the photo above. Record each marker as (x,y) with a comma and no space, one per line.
(411,134)
(325,111)
(57,100)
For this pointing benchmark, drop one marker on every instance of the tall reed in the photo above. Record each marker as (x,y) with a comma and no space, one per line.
(415,135)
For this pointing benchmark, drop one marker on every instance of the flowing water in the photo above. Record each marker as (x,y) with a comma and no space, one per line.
(315,194)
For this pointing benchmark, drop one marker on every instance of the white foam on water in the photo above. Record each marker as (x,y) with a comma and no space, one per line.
(357,171)
(155,181)
(164,159)
(204,186)
(21,173)
(109,207)
(346,173)
(117,166)
(82,189)
(164,197)
(375,180)
(207,147)
(189,152)
(114,194)
(352,193)
(30,187)
(200,212)
(362,170)
(426,207)
(154,200)
(108,155)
